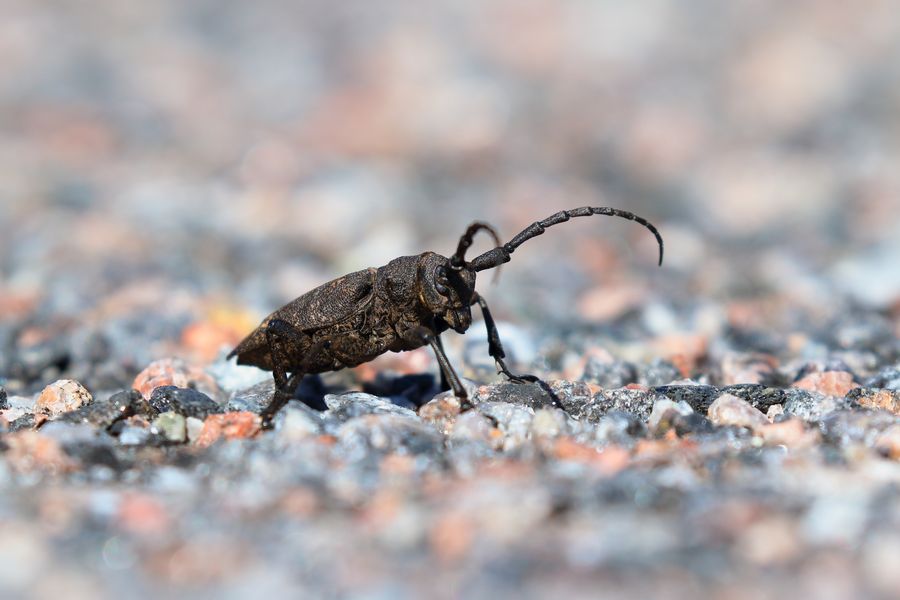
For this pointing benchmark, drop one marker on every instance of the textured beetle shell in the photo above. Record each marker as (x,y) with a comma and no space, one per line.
(350,320)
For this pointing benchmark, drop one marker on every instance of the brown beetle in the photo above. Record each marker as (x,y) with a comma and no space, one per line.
(401,306)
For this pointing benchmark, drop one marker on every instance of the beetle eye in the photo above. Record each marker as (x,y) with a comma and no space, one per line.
(441,288)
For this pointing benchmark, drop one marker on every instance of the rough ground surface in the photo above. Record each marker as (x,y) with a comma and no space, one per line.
(173,171)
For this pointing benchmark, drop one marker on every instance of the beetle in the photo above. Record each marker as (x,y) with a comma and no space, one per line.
(406,304)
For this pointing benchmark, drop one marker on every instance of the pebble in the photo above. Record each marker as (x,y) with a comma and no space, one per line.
(811,406)
(659,372)
(296,422)
(549,423)
(731,410)
(878,399)
(388,433)
(609,374)
(171,426)
(232,377)
(355,404)
(619,427)
(472,426)
(829,383)
(232,425)
(441,412)
(62,396)
(698,397)
(105,413)
(513,420)
(4,404)
(174,372)
(193,428)
(888,442)
(888,378)
(664,414)
(184,401)
(638,402)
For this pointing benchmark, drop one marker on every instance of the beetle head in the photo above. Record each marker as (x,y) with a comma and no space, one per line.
(446,292)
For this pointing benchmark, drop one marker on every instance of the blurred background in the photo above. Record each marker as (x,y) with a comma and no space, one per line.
(173,171)
(246,152)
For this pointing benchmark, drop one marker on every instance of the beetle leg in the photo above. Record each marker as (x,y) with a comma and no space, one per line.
(447,371)
(279,336)
(445,383)
(495,349)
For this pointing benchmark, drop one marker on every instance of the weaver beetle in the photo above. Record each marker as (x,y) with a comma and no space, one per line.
(401,306)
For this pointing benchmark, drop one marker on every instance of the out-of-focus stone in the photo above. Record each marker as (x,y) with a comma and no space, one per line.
(296,422)
(878,399)
(193,429)
(104,413)
(355,404)
(174,372)
(441,412)
(811,406)
(62,396)
(609,374)
(472,426)
(731,410)
(388,433)
(791,433)
(774,411)
(184,401)
(171,426)
(829,383)
(31,451)
(888,442)
(233,425)
(549,423)
(664,413)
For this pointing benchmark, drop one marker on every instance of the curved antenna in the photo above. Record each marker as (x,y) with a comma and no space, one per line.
(501,254)
(458,260)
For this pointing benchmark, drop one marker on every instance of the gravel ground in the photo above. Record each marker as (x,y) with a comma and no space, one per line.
(175,171)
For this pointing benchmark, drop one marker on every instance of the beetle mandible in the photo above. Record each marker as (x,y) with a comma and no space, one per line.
(401,306)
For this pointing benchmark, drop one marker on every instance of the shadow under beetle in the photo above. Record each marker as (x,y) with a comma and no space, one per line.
(401,306)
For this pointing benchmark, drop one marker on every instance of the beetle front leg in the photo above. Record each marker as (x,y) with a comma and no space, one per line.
(447,371)
(495,350)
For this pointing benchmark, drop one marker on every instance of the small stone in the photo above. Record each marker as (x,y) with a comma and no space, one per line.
(549,423)
(234,378)
(132,435)
(355,404)
(193,428)
(791,433)
(105,413)
(664,413)
(29,451)
(388,433)
(698,397)
(878,399)
(174,372)
(253,399)
(233,425)
(609,374)
(659,372)
(472,426)
(620,428)
(62,396)
(171,426)
(441,412)
(183,401)
(512,420)
(638,402)
(888,378)
(829,383)
(296,422)
(731,410)
(888,442)
(532,395)
(774,412)
(811,406)
(3,401)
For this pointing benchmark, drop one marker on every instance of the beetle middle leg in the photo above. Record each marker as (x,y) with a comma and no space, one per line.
(495,349)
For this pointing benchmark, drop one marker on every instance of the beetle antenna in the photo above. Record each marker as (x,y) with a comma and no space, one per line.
(501,254)
(458,260)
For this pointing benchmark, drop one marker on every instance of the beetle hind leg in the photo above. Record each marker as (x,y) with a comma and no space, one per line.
(283,340)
